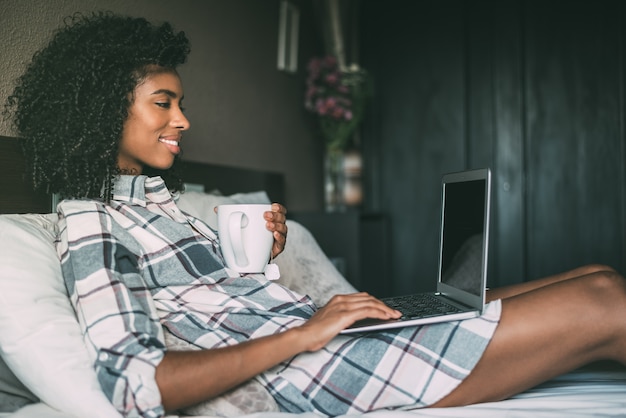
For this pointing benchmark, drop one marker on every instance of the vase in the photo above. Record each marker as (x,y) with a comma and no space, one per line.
(352,178)
(342,180)
(333,181)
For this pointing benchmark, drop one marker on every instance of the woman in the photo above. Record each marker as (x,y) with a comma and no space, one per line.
(100,111)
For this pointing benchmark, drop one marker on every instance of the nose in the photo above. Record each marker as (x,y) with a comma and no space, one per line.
(180,121)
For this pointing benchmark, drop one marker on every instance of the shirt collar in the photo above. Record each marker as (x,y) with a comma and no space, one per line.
(139,190)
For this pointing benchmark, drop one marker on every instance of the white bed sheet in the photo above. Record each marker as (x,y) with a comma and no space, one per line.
(585,393)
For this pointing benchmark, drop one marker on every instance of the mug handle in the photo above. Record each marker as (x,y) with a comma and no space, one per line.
(235,227)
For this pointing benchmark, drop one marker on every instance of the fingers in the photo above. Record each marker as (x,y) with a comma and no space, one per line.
(341,312)
(280,240)
(362,305)
(276,223)
(276,218)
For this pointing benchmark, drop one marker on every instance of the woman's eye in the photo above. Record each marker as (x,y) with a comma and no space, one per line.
(165,105)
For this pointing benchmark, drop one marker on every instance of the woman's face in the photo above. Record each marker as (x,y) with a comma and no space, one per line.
(154,126)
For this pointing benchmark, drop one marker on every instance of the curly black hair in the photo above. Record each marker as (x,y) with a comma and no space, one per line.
(70,105)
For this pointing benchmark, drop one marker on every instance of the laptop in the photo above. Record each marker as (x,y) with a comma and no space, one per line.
(463,248)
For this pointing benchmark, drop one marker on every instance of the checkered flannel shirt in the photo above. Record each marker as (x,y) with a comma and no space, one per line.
(138,264)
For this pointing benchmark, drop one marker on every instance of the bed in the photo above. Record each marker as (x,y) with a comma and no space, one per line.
(44,370)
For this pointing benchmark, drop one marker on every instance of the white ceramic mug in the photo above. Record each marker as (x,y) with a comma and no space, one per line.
(246,242)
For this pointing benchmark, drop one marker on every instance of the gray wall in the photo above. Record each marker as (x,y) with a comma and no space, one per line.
(243,111)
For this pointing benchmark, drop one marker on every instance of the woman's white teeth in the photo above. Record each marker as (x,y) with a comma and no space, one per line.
(168,141)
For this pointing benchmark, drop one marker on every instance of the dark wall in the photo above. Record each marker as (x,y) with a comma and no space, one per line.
(532,89)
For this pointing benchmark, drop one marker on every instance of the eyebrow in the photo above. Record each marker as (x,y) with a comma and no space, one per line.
(167,92)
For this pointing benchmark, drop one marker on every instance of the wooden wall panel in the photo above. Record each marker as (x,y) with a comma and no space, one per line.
(508,234)
(533,89)
(573,138)
(419,125)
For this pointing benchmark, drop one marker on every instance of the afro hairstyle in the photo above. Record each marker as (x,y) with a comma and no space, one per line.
(70,105)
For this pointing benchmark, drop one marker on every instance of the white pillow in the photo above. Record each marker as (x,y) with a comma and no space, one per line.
(40,339)
(202,205)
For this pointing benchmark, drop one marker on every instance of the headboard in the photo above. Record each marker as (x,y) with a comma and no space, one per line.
(17,195)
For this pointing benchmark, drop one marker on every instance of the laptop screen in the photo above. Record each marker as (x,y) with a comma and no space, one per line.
(465,220)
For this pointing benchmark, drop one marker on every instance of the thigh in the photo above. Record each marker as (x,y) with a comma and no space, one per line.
(547,332)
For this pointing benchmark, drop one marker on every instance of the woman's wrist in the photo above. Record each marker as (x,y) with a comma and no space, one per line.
(298,339)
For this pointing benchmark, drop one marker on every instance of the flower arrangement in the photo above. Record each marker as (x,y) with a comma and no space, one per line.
(338,96)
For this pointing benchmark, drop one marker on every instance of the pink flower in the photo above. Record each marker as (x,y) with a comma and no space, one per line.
(335,96)
(332,78)
(337,112)
(320,107)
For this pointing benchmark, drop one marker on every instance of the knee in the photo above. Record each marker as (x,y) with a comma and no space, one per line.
(596,268)
(607,284)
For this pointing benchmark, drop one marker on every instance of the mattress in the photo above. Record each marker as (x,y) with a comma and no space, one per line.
(589,392)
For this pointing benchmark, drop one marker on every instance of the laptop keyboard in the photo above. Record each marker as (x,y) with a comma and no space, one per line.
(420,305)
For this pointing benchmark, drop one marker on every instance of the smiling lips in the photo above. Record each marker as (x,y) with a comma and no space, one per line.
(171,144)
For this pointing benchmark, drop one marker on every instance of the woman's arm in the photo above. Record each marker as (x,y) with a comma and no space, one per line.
(187,377)
(113,305)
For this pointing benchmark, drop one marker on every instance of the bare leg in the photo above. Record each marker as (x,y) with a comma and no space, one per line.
(516,289)
(546,332)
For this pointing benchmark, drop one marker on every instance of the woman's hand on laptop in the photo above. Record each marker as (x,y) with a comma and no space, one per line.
(341,312)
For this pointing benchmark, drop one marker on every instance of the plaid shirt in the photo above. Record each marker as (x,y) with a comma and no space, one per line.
(138,264)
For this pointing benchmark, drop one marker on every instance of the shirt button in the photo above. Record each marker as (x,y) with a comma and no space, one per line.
(103,357)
